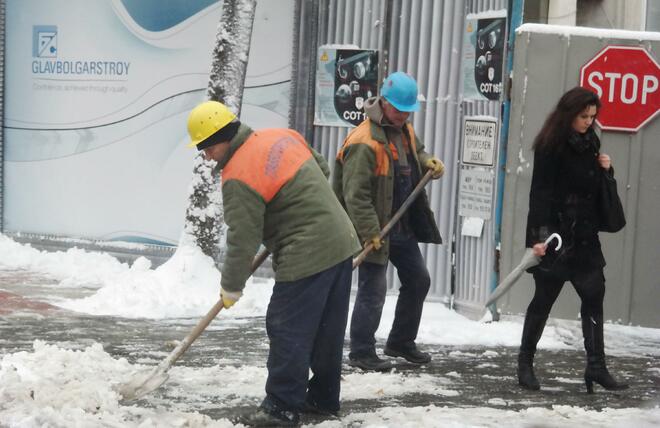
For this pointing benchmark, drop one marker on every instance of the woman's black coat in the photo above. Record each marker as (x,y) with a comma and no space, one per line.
(564,198)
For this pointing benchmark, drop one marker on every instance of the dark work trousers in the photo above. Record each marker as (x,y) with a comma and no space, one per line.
(588,283)
(372,288)
(306,321)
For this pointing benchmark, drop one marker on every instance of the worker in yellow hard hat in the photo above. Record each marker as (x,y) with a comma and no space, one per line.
(275,192)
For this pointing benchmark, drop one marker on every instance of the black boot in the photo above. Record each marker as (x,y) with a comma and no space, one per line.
(269,414)
(596,371)
(410,353)
(369,361)
(532,331)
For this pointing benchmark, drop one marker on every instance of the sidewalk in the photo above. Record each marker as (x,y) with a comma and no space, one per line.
(458,377)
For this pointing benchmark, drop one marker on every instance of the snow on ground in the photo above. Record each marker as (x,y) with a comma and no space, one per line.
(55,386)
(51,386)
(187,285)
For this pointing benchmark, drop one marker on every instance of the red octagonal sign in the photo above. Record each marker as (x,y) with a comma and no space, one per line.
(627,80)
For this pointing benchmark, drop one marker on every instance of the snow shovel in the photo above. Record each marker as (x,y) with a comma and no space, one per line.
(528,260)
(148,382)
(144,383)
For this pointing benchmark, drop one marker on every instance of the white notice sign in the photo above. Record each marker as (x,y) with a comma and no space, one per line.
(475,193)
(479,137)
(472,226)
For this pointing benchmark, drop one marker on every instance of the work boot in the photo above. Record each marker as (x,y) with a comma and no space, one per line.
(411,354)
(269,415)
(596,371)
(532,331)
(312,407)
(369,362)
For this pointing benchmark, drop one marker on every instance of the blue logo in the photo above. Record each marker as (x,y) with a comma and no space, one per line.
(44,41)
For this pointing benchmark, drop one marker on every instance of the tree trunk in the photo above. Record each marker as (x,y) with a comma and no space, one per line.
(204,216)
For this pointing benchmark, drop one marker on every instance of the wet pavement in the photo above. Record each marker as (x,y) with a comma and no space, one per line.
(480,377)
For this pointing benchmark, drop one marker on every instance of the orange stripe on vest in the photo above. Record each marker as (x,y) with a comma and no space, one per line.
(267,160)
(362,135)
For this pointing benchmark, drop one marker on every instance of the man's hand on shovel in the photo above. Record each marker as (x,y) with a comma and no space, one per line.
(229,298)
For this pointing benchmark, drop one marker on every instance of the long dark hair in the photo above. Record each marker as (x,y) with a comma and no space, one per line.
(559,123)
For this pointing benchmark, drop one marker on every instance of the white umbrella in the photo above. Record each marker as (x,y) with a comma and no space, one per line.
(528,260)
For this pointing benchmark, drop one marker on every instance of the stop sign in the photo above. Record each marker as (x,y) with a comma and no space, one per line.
(627,81)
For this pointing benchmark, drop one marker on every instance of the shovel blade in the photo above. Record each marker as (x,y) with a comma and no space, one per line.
(143,384)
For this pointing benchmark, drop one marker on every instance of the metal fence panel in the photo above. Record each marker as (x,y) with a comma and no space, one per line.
(2,109)
(423,38)
(475,257)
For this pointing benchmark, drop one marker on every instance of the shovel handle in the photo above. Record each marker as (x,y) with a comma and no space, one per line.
(399,213)
(259,259)
(204,322)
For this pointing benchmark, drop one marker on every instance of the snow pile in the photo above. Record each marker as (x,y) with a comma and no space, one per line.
(63,381)
(442,326)
(187,285)
(74,268)
(373,385)
(52,386)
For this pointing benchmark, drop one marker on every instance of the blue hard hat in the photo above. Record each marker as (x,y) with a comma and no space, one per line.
(400,90)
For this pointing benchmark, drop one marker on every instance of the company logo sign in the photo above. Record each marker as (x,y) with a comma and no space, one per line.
(49,61)
(44,41)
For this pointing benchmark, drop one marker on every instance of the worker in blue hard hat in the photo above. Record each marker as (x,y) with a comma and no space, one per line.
(378,166)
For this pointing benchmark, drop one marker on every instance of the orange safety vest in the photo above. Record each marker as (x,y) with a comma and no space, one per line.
(362,135)
(267,160)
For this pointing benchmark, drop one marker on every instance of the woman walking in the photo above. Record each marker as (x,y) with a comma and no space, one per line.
(568,169)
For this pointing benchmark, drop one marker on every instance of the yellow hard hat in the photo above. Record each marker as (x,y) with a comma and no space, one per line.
(206,119)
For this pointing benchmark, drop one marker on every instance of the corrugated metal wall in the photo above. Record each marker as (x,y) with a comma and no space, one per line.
(475,257)
(347,22)
(2,109)
(425,39)
(632,272)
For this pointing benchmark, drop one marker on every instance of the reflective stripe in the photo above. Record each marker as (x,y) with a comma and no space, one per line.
(267,160)
(362,135)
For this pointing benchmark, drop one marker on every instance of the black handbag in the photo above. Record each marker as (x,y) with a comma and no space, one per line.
(612,217)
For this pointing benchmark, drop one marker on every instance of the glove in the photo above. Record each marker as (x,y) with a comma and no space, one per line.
(435,165)
(376,242)
(229,297)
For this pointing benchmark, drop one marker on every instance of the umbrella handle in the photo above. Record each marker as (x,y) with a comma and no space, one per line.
(551,237)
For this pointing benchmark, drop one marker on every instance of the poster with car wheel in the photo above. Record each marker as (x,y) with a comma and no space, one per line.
(483,58)
(345,78)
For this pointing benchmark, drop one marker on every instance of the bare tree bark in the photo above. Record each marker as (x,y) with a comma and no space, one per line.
(204,216)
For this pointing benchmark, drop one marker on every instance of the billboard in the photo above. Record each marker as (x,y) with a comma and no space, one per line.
(97,96)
